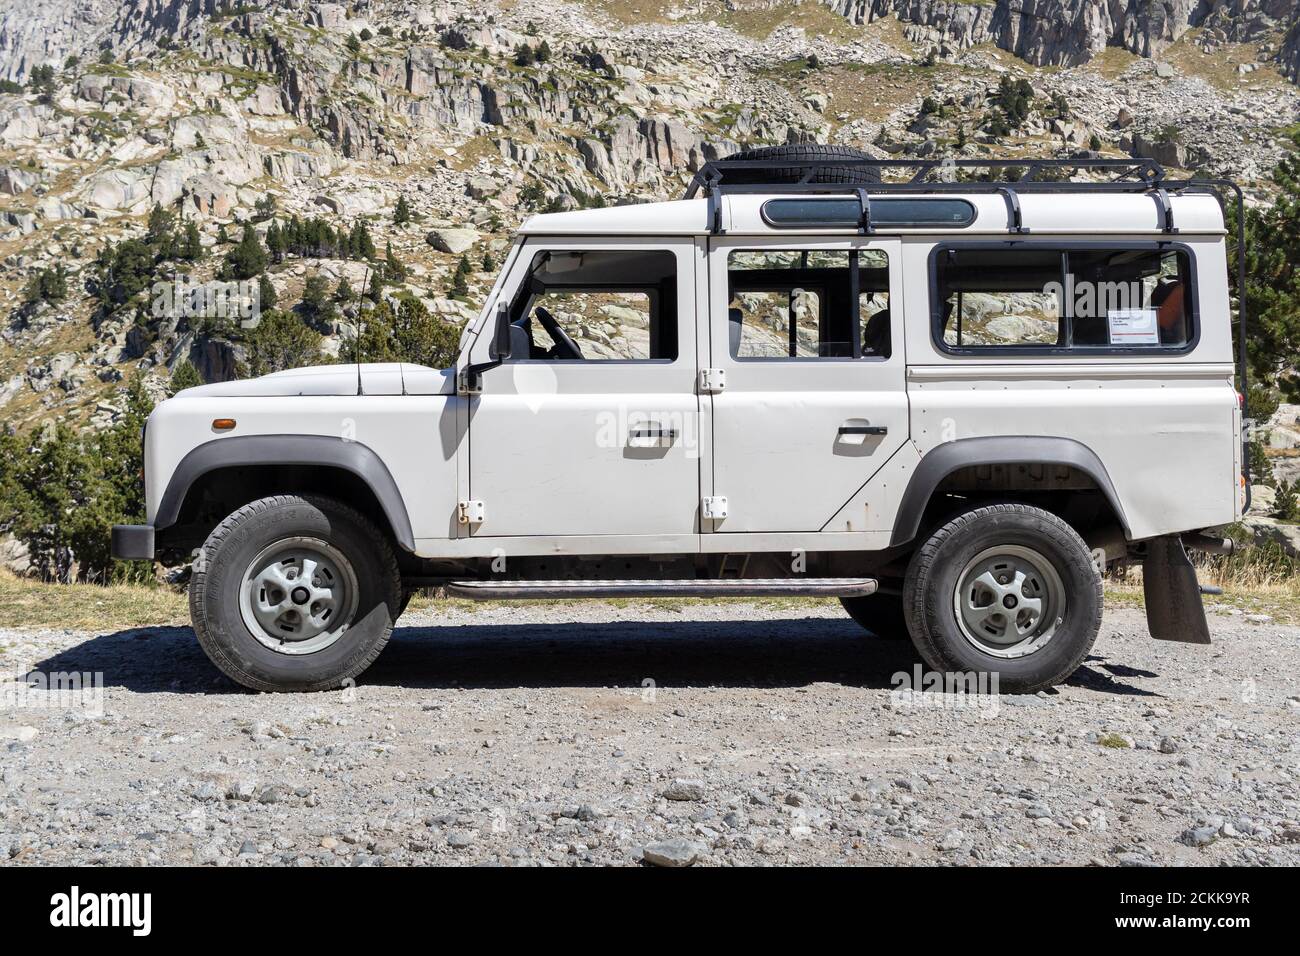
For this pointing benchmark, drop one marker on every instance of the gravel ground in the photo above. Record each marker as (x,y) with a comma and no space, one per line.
(716,733)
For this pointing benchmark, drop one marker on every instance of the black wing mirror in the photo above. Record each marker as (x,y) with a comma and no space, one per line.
(500,350)
(470,381)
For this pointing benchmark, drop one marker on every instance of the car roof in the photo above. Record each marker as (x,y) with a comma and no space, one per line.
(1057,213)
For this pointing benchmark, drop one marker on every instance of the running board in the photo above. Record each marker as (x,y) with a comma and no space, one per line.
(754,587)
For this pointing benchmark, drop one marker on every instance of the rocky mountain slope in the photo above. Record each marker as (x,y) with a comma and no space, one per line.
(478,114)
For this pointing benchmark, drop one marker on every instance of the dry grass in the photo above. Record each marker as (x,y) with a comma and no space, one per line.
(25,602)
(1260,580)
(1252,587)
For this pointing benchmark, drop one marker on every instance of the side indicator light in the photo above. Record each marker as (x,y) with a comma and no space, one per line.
(223,424)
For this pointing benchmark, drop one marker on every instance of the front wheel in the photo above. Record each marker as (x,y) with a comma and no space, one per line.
(1006,589)
(294,594)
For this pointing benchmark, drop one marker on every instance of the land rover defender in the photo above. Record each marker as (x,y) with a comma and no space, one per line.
(946,398)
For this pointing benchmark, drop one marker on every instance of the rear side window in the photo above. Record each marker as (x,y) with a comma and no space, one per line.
(808,304)
(1031,298)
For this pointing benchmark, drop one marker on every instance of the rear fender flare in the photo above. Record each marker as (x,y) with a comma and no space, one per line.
(947,458)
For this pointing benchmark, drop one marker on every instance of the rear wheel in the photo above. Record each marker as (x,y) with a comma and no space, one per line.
(294,593)
(1006,588)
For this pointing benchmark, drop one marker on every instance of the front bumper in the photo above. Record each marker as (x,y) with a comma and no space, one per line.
(133,542)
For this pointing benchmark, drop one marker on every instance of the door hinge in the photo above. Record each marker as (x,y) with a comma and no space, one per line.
(714,507)
(468,383)
(712,380)
(470,512)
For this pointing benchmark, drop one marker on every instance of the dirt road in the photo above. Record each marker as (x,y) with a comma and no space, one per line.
(714,733)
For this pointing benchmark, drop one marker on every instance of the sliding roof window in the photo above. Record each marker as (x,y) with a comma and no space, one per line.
(808,304)
(1035,298)
(597,306)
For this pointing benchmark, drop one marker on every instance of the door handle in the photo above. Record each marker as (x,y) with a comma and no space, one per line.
(650,435)
(864,430)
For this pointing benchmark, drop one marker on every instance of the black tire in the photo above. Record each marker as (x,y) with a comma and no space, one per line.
(930,592)
(216,590)
(881,614)
(851,175)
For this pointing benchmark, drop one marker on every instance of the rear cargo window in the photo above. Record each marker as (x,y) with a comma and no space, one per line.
(1032,298)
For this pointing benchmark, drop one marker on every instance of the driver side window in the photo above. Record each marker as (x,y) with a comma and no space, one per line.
(597,306)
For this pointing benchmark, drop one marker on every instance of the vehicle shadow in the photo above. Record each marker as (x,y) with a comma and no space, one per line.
(781,652)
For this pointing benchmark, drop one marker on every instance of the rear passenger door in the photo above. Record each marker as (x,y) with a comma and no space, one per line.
(813,400)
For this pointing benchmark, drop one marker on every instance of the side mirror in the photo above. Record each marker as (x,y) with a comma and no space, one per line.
(500,350)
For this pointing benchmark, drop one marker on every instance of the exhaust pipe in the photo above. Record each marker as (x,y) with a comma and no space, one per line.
(1203,542)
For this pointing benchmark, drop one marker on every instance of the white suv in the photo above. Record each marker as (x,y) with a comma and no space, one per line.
(946,403)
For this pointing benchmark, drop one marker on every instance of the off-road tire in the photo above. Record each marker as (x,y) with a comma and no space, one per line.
(881,614)
(929,591)
(852,175)
(215,589)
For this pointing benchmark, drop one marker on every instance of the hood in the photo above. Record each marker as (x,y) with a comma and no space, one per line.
(371,378)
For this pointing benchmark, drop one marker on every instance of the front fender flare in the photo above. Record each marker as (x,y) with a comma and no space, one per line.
(947,458)
(321,450)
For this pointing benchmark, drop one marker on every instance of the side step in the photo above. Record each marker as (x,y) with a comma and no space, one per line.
(731,587)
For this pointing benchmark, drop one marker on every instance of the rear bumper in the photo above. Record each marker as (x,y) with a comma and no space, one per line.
(133,542)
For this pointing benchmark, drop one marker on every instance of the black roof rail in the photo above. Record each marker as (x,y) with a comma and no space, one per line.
(1128,175)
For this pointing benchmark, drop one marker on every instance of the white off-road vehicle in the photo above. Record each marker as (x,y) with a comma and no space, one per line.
(941,401)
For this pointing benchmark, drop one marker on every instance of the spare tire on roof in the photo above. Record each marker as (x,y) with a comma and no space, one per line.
(848,174)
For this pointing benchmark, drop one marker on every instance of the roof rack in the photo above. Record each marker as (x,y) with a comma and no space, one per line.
(1126,176)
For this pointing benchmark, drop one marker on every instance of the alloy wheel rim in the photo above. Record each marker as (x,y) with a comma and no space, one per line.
(298,595)
(1009,601)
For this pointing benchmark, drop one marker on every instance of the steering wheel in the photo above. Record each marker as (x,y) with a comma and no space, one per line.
(565,347)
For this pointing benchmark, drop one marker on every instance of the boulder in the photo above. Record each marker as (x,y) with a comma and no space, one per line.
(15,181)
(452,240)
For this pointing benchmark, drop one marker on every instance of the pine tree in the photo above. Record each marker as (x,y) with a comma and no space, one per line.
(1286,507)
(281,341)
(317,307)
(344,292)
(159,228)
(275,241)
(359,242)
(460,278)
(184,376)
(394,268)
(1272,291)
(191,245)
(402,214)
(48,285)
(266,294)
(248,258)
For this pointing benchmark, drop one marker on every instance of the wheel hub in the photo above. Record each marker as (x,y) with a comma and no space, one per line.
(298,595)
(1009,601)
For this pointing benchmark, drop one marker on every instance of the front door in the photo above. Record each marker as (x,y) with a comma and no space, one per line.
(808,334)
(590,428)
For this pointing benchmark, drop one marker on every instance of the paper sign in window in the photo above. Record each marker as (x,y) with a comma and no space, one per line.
(1133,327)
